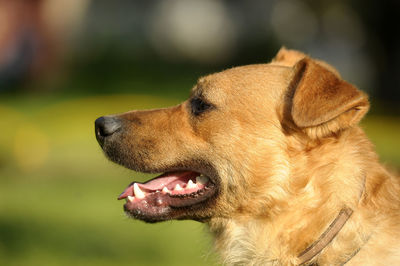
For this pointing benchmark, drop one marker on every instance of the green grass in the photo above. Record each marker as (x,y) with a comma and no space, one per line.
(77,222)
(58,192)
(384,133)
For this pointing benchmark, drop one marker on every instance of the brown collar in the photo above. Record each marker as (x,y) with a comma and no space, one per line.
(327,236)
(330,233)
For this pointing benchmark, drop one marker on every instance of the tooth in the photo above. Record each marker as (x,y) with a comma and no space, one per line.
(190,185)
(178,187)
(130,198)
(165,190)
(138,192)
(201,179)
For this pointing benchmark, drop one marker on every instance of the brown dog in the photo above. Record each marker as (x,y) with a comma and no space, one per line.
(271,157)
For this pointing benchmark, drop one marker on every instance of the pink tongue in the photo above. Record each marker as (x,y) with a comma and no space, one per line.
(161,181)
(158,183)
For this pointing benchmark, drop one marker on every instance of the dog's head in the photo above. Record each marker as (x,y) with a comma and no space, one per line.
(225,149)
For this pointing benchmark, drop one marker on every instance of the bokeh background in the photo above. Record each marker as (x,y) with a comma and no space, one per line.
(63,63)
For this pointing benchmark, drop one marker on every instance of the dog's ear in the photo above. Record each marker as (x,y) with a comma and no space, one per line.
(320,98)
(286,57)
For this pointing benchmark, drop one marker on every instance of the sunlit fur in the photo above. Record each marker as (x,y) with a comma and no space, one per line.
(287,160)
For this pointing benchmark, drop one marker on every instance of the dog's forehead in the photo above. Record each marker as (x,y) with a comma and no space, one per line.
(243,78)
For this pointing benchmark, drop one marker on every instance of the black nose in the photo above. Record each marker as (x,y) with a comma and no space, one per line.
(106,126)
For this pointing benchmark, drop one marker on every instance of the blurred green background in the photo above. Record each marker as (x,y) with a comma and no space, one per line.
(65,63)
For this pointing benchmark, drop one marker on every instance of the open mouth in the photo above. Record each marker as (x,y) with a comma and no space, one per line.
(158,198)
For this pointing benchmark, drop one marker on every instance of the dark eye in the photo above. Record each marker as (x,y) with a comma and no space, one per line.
(199,106)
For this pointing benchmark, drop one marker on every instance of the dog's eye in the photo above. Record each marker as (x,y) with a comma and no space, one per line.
(199,106)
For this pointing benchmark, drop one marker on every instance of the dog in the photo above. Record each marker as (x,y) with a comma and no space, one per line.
(272,158)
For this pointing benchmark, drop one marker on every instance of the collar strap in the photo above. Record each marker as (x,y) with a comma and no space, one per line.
(330,233)
(326,237)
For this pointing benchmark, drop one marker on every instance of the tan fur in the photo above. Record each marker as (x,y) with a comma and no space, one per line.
(284,140)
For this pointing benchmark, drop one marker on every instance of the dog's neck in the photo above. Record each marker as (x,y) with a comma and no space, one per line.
(280,236)
(239,236)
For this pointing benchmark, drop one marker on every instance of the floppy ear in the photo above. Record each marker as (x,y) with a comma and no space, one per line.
(321,98)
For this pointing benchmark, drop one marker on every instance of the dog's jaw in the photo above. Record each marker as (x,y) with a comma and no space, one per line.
(168,196)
